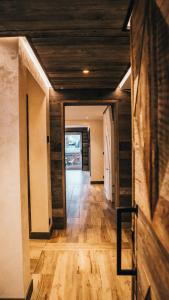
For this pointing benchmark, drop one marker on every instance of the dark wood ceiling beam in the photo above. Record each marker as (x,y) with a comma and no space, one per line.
(93,66)
(107,41)
(45,49)
(76,95)
(82,81)
(83,86)
(93,74)
(80,61)
(65,33)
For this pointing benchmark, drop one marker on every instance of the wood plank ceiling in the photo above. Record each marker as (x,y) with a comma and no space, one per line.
(69,36)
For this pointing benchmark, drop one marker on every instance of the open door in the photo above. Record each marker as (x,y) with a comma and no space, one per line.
(108,133)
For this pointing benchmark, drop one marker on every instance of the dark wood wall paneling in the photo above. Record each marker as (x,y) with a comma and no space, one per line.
(150,101)
(57,161)
(125,174)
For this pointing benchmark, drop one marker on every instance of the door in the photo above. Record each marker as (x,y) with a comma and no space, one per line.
(73,150)
(108,134)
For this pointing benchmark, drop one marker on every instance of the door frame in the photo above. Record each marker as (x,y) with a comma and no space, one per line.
(112,103)
(28,165)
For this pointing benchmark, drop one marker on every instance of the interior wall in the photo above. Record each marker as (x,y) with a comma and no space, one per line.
(40,196)
(15,85)
(14,234)
(124,156)
(150,111)
(40,87)
(48,158)
(96,146)
(23,168)
(57,161)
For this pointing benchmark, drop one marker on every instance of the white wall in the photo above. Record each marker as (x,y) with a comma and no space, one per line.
(14,250)
(96,144)
(40,196)
(14,230)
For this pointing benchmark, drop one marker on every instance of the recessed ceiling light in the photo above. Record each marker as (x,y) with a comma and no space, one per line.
(86,71)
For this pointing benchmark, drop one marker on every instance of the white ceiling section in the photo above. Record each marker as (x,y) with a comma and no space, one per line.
(84,112)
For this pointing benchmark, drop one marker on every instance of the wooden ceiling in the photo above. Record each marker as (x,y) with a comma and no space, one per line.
(69,36)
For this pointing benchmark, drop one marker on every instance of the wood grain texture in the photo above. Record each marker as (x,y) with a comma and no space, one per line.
(80,261)
(70,37)
(124,141)
(57,161)
(150,99)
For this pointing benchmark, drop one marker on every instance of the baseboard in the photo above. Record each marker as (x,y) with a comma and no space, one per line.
(97,181)
(58,223)
(28,295)
(41,235)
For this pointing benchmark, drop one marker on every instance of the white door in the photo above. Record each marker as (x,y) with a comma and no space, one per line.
(108,132)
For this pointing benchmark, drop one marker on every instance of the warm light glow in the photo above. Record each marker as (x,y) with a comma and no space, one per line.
(125,78)
(129,24)
(86,71)
(34,60)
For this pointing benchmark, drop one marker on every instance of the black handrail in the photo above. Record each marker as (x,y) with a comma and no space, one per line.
(120,211)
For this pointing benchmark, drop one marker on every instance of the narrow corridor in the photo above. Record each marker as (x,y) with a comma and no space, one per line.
(80,262)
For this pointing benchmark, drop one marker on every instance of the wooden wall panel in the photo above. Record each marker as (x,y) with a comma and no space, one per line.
(153,262)
(124,133)
(150,111)
(57,161)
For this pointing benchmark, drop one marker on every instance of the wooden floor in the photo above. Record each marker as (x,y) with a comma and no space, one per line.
(79,263)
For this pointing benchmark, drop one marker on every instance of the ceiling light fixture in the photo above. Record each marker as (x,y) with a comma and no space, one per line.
(86,71)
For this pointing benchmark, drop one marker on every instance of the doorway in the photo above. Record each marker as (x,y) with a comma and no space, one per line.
(88,153)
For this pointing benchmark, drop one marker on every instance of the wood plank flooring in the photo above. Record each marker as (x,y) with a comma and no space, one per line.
(79,263)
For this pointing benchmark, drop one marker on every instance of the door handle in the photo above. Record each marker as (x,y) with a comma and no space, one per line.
(120,211)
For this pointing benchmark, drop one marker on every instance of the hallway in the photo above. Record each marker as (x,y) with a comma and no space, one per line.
(84,150)
(80,262)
